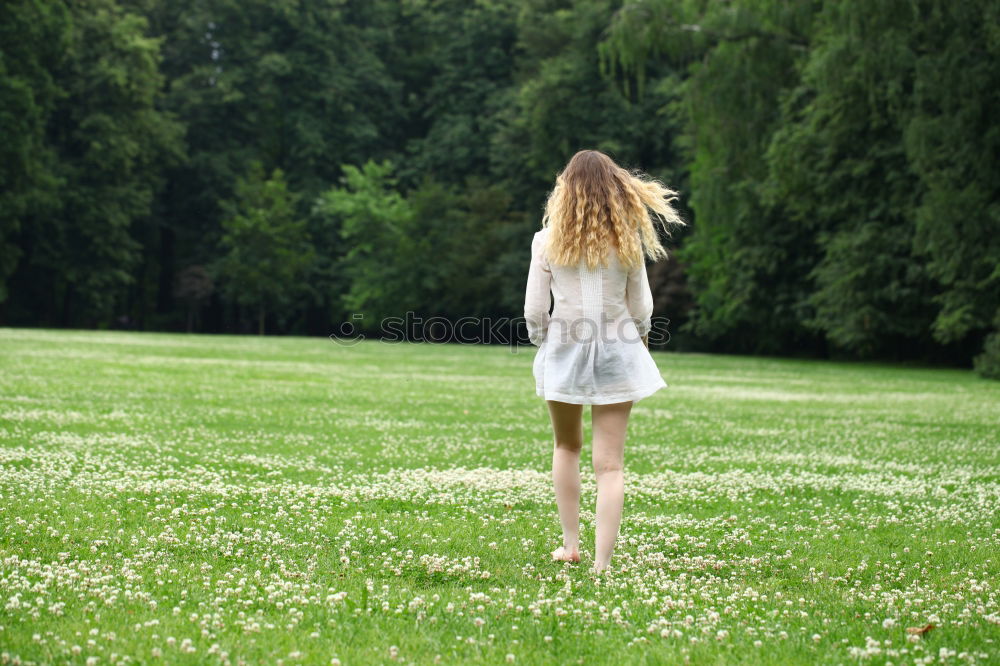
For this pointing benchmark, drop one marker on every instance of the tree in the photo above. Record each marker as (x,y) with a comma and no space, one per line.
(109,145)
(887,148)
(300,86)
(952,138)
(374,224)
(746,260)
(265,248)
(32,37)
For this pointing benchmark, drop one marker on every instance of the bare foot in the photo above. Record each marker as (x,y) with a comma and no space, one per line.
(561,554)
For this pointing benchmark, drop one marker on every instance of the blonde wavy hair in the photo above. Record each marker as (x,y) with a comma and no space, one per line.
(597,205)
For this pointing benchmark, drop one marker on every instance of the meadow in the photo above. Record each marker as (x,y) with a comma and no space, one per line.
(234,500)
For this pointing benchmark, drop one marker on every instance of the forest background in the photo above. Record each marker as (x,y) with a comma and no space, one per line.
(282,166)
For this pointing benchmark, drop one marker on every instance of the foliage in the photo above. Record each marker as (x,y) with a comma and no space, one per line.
(837,159)
(425,251)
(106,144)
(831,148)
(265,246)
(374,222)
(32,34)
(987,363)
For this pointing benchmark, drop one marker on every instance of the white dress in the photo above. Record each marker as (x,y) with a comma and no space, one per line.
(590,350)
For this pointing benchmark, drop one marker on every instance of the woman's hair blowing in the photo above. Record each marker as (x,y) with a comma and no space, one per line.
(597,206)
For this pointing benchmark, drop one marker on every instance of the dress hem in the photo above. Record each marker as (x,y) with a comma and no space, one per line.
(633,396)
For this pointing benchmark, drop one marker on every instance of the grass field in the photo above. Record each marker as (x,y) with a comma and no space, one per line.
(195,499)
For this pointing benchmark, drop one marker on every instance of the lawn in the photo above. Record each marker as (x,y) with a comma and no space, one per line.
(221,499)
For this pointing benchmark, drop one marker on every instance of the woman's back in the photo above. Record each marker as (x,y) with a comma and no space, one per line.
(611,301)
(590,348)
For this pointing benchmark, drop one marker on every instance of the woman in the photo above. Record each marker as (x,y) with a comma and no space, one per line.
(594,348)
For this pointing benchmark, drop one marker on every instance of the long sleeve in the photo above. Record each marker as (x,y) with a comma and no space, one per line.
(537,296)
(639,298)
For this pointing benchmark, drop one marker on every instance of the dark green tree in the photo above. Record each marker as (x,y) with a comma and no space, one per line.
(745,259)
(951,135)
(300,86)
(109,144)
(883,150)
(33,35)
(839,169)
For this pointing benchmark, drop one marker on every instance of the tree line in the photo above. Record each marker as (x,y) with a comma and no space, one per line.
(284,165)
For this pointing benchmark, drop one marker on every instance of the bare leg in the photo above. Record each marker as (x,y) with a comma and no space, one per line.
(567,428)
(610,423)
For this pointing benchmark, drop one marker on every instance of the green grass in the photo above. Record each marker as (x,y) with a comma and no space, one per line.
(292,499)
